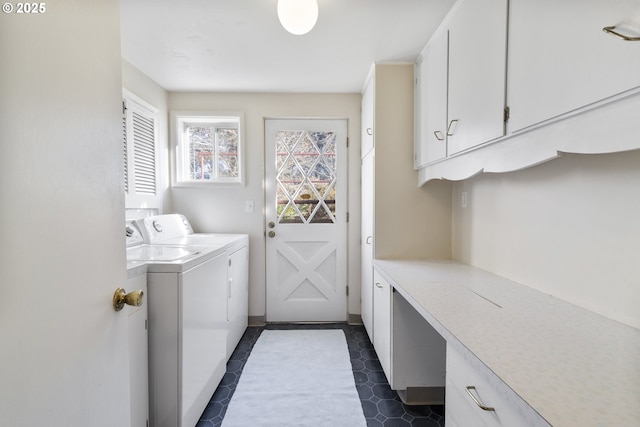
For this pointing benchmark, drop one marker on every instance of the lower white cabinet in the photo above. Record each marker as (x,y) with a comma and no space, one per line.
(237,294)
(411,352)
(476,397)
(382,322)
(138,353)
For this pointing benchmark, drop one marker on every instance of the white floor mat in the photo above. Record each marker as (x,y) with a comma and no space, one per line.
(297,378)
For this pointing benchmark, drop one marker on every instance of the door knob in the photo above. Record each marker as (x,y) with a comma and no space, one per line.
(272,224)
(272,234)
(121,297)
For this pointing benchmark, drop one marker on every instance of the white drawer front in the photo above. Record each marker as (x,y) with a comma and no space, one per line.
(459,412)
(467,376)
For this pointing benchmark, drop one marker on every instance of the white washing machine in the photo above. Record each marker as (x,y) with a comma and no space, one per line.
(186,290)
(175,229)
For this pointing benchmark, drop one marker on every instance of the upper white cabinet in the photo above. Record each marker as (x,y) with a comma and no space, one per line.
(431,101)
(477,63)
(570,86)
(560,59)
(367,118)
(461,81)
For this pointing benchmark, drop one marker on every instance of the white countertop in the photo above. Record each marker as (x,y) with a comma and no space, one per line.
(574,367)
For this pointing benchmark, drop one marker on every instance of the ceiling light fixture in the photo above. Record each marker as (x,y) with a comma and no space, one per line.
(298,16)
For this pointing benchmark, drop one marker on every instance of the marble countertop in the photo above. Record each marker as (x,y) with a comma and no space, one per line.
(574,367)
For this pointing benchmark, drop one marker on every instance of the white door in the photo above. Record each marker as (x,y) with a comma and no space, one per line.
(306,219)
(64,350)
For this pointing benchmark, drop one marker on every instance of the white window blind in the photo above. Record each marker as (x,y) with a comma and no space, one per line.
(144,151)
(140,135)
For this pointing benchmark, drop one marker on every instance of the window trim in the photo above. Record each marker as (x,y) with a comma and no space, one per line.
(178,119)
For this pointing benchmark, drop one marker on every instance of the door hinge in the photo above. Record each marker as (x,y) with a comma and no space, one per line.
(124,107)
(347,216)
(347,288)
(347,142)
(507,113)
(146,327)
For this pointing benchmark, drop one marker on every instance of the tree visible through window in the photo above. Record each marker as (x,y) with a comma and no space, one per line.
(208,149)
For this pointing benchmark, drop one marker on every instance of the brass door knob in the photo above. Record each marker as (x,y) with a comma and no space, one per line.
(272,224)
(121,297)
(272,234)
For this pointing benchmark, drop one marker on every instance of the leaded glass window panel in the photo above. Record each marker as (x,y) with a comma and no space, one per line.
(306,176)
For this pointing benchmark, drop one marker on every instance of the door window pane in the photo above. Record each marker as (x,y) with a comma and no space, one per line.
(306,176)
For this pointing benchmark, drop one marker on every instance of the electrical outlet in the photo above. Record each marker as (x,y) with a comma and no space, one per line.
(463,199)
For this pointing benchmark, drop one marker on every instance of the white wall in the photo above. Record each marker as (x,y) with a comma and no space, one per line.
(410,221)
(222,209)
(569,227)
(143,87)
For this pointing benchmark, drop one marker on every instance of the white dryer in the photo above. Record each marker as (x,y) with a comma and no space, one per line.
(175,230)
(186,290)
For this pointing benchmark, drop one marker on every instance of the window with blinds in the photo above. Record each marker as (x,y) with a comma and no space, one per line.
(140,146)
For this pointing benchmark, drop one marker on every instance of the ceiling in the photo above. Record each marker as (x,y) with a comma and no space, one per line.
(240,46)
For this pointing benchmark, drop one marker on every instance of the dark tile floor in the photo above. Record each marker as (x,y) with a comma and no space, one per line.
(381,405)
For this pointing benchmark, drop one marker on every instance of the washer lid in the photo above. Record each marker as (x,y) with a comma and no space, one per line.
(159,253)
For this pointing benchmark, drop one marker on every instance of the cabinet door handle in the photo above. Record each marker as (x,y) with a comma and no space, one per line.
(453,124)
(612,30)
(378,285)
(369,131)
(477,401)
(369,239)
(438,135)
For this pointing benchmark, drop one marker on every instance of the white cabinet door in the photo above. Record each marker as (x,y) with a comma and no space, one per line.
(431,107)
(238,296)
(382,322)
(366,257)
(560,59)
(367,118)
(477,66)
